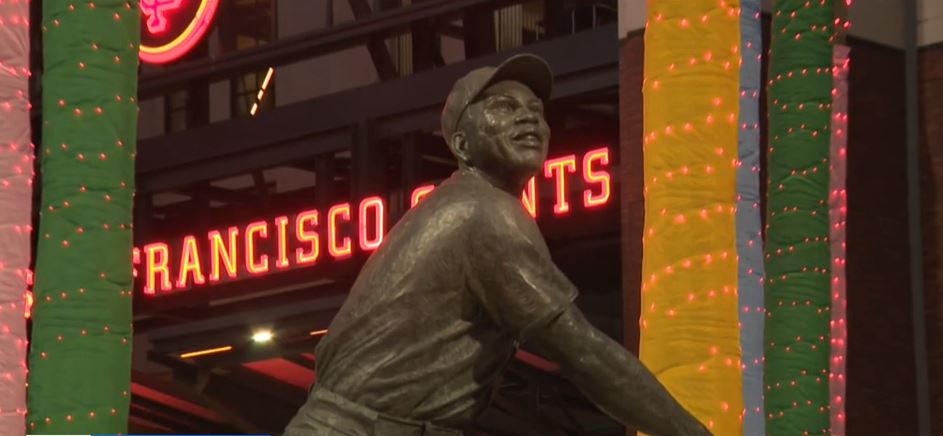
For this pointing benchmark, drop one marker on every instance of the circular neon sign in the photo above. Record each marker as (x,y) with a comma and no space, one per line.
(171,28)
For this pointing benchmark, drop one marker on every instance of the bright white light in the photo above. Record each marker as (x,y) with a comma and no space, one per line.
(262,336)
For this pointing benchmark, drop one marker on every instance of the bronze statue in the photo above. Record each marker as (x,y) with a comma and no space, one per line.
(462,280)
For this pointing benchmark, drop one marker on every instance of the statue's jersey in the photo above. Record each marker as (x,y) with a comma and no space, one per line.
(439,309)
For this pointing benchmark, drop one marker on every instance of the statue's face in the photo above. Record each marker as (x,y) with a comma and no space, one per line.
(506,133)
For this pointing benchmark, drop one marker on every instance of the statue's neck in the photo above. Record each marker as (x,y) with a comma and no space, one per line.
(513,187)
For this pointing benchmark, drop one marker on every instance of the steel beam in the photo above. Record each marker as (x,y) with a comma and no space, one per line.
(238,403)
(914,228)
(379,54)
(582,63)
(307,45)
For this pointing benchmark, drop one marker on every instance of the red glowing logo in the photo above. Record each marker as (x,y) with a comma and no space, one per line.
(173,27)
(156,13)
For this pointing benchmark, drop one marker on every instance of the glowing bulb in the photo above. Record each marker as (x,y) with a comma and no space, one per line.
(262,336)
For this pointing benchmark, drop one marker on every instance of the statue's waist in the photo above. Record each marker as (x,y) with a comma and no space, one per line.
(381,423)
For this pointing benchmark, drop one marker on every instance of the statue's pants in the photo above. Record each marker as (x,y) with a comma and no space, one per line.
(328,414)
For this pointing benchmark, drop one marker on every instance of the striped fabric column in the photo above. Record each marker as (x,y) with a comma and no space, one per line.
(749,226)
(689,334)
(797,235)
(837,214)
(16,199)
(80,355)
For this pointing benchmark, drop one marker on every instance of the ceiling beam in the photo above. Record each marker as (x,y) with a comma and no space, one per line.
(238,404)
(202,384)
(286,394)
(178,420)
(382,61)
(583,62)
(306,45)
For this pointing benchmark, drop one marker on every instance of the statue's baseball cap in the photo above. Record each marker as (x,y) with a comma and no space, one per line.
(528,69)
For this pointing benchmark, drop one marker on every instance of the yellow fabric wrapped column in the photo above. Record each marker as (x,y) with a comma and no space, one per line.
(689,330)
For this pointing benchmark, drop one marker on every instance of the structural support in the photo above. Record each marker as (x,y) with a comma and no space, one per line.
(382,61)
(584,62)
(310,44)
(914,226)
(750,271)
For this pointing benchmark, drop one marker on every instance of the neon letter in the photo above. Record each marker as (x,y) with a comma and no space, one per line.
(560,166)
(227,254)
(529,197)
(344,249)
(307,236)
(153,266)
(190,262)
(418,194)
(375,203)
(260,228)
(601,177)
(281,228)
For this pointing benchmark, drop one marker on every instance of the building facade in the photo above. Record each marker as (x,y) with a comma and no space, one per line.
(280,140)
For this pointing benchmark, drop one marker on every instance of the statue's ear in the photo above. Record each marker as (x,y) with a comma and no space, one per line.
(458,143)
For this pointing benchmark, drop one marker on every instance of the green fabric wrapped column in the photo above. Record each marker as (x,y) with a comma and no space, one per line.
(797,234)
(80,353)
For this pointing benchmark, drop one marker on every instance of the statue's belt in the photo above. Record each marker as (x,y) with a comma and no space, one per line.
(384,425)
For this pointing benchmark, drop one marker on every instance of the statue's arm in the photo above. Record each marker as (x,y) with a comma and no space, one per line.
(612,377)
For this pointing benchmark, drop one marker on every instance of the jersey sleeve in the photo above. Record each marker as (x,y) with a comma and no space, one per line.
(515,280)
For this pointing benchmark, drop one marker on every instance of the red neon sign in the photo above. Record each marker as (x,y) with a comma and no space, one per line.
(529,197)
(281,226)
(157,258)
(341,211)
(223,254)
(309,255)
(256,265)
(293,241)
(156,12)
(173,27)
(591,176)
(371,206)
(557,168)
(190,263)
(419,193)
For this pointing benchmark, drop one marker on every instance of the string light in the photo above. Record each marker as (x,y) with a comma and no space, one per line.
(838,207)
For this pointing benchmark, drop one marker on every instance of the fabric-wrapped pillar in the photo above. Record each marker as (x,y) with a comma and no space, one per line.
(749,226)
(837,214)
(80,355)
(16,185)
(798,266)
(689,306)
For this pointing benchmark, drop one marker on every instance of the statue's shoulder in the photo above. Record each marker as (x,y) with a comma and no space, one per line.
(469,200)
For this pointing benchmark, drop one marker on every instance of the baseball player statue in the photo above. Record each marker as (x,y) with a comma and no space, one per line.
(461,281)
